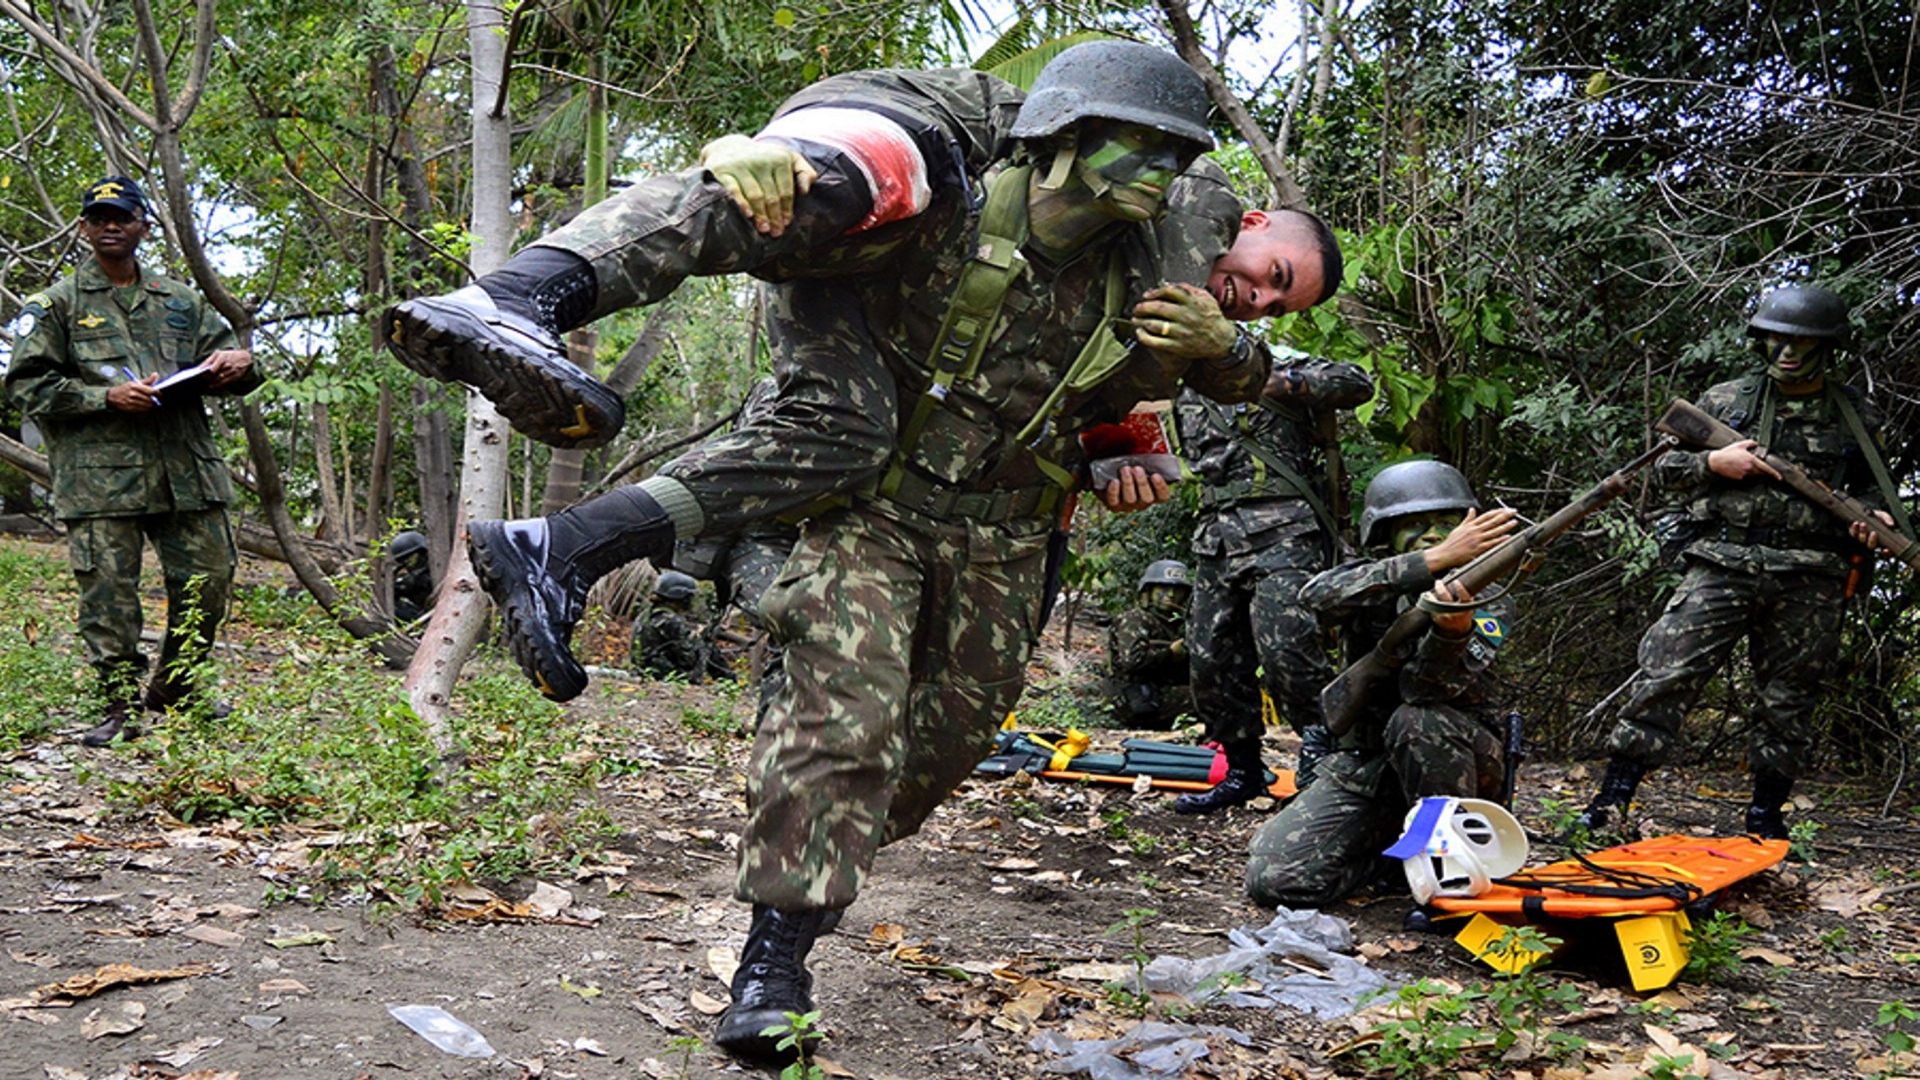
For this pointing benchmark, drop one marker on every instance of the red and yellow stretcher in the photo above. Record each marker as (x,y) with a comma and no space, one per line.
(1644,889)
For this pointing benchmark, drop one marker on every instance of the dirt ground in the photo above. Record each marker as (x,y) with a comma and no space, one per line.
(990,927)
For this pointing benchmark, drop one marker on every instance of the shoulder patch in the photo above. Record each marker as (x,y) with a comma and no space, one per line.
(1489,629)
(37,300)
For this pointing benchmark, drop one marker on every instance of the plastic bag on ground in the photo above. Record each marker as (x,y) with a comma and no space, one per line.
(1151,1051)
(1250,974)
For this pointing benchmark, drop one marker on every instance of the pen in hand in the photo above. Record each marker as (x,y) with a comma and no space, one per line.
(131,377)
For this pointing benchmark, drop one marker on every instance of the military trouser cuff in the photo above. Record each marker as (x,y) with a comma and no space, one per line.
(678,501)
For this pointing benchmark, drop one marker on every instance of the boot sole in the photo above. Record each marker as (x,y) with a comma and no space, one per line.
(541,395)
(543,658)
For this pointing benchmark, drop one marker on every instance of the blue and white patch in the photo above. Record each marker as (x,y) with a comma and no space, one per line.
(30,312)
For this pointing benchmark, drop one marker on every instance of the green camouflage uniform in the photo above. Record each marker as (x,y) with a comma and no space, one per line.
(1148,684)
(668,640)
(121,477)
(1257,543)
(1767,565)
(907,618)
(1437,735)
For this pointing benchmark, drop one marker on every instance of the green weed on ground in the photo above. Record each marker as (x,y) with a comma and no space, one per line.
(43,683)
(324,738)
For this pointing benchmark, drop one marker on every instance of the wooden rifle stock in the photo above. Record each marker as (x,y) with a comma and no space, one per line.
(1344,699)
(1685,421)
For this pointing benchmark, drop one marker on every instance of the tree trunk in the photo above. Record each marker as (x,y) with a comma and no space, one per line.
(461,613)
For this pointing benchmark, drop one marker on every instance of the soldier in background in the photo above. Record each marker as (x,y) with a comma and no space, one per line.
(1762,563)
(1434,731)
(1267,524)
(131,464)
(670,638)
(412,576)
(1147,651)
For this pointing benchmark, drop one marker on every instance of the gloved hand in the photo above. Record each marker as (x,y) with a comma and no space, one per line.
(762,177)
(1183,321)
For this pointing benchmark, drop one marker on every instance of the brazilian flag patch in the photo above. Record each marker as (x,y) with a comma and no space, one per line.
(1489,629)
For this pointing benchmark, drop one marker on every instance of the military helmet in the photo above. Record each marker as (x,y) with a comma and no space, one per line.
(674,585)
(1166,572)
(1117,80)
(1413,487)
(1799,311)
(406,544)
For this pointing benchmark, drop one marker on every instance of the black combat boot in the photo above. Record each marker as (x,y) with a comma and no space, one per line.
(1316,742)
(771,981)
(1241,785)
(501,336)
(1616,790)
(116,722)
(538,571)
(167,691)
(1764,817)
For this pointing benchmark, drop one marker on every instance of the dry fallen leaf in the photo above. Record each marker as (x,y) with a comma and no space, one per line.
(1766,955)
(284,986)
(117,1019)
(549,900)
(213,935)
(706,1004)
(112,975)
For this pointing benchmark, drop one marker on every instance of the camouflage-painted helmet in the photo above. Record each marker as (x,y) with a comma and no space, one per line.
(1117,80)
(1166,572)
(1799,311)
(407,544)
(674,585)
(1413,487)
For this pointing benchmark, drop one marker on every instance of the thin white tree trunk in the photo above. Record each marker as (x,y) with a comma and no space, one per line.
(461,613)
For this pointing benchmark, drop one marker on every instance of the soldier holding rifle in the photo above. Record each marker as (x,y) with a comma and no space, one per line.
(1762,562)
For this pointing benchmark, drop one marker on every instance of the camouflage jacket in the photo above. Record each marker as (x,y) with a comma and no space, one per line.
(1365,596)
(899,274)
(1758,524)
(1140,646)
(670,642)
(79,339)
(1249,507)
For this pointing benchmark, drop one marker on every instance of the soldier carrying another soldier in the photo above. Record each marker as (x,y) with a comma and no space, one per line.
(938,354)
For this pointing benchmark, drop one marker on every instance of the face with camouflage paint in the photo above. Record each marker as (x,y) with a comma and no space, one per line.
(1166,597)
(1129,167)
(1794,360)
(1418,532)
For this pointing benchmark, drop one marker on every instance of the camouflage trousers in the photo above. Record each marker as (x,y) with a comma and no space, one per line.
(1791,621)
(105,554)
(1326,844)
(829,431)
(906,645)
(1247,631)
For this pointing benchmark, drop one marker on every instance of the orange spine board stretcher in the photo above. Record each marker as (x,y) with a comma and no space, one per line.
(1672,871)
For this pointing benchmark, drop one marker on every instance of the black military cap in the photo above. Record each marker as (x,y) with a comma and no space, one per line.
(117,191)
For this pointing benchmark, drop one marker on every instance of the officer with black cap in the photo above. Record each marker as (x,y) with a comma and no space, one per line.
(133,460)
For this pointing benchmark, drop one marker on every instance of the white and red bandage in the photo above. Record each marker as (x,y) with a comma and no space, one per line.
(889,159)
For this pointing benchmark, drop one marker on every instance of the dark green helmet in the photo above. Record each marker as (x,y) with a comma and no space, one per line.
(407,544)
(674,585)
(1117,80)
(1166,572)
(1413,487)
(1799,311)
